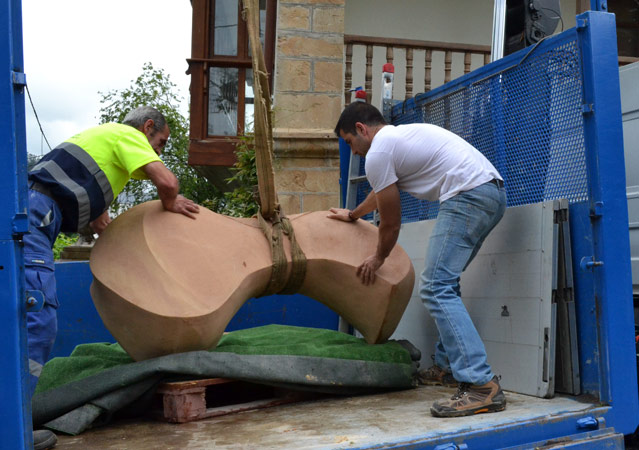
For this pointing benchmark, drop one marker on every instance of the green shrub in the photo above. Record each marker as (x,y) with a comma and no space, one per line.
(62,241)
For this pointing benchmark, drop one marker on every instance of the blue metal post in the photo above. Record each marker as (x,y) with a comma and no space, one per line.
(610,262)
(344,162)
(599,5)
(15,403)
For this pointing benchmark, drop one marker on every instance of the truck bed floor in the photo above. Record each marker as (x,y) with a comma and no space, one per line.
(351,422)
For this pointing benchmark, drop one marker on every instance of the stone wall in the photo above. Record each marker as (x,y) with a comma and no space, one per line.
(307,103)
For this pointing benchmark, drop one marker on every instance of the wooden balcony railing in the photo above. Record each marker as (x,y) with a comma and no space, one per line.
(475,55)
(623,60)
(365,52)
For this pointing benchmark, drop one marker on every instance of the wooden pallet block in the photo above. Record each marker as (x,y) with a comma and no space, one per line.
(76,252)
(187,401)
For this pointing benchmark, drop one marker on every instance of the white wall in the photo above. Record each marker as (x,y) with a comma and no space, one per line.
(460,21)
(435,20)
(454,21)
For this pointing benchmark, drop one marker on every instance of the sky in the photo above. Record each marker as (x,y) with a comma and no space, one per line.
(74,49)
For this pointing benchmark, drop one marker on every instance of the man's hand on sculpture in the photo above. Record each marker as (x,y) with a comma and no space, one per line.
(366,271)
(340,214)
(99,224)
(183,205)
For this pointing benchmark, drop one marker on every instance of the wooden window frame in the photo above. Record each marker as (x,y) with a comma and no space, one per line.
(205,149)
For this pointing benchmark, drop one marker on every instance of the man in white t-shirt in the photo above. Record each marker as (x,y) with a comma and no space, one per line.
(432,163)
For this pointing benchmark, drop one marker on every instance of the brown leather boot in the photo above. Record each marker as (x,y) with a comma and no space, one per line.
(471,399)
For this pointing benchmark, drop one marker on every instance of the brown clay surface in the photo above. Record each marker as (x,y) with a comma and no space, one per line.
(164,283)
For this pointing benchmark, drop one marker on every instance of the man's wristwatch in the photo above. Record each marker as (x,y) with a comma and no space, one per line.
(350,216)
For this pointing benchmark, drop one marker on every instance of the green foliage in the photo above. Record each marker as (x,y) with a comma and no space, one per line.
(154,88)
(241,201)
(62,241)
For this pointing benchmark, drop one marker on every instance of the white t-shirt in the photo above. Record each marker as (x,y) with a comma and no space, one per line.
(427,161)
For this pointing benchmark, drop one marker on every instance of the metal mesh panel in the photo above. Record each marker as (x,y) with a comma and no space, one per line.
(527,120)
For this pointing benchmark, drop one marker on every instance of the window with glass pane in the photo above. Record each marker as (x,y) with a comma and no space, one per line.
(222,102)
(249,102)
(223,97)
(262,24)
(225,28)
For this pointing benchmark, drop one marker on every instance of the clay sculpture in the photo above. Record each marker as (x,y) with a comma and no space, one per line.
(164,283)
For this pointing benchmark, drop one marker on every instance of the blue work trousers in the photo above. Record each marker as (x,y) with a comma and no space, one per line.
(45,220)
(462,224)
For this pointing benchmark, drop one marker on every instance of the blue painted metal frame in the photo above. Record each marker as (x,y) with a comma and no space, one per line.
(15,401)
(518,433)
(78,320)
(609,212)
(586,303)
(599,5)
(344,155)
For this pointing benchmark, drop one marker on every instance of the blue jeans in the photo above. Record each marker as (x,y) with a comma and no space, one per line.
(45,220)
(462,224)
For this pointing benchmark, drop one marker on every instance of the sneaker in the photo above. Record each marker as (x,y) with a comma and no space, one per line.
(44,439)
(472,399)
(436,376)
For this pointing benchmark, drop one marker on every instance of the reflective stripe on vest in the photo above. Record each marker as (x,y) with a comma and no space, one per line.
(84,204)
(62,178)
(81,155)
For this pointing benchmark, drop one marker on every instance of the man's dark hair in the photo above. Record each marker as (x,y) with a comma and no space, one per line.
(138,117)
(358,112)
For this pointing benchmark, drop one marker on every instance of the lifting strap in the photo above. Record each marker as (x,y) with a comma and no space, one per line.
(272,220)
(279,284)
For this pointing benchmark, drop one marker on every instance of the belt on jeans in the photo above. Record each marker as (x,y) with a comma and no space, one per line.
(496,182)
(41,188)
